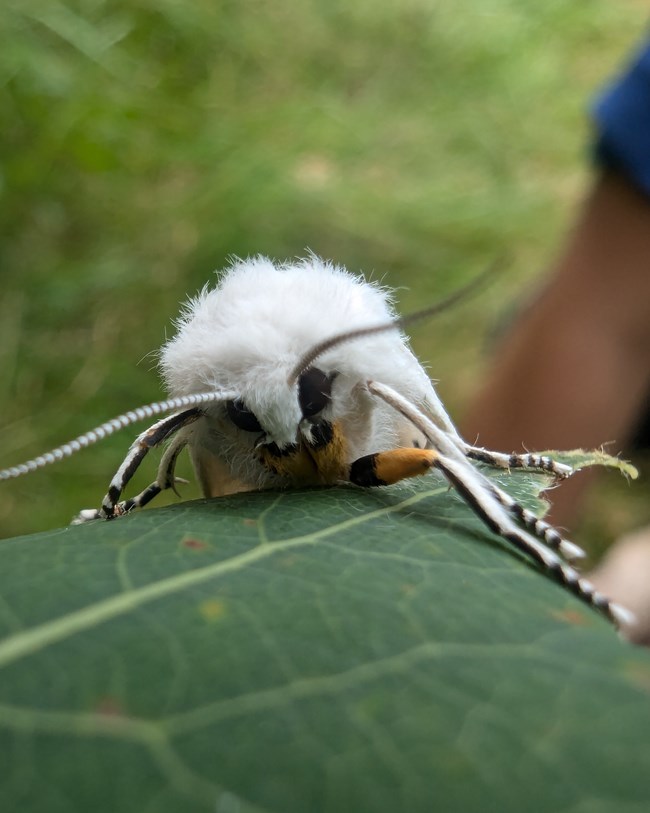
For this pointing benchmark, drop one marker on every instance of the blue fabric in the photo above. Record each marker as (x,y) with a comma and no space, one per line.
(622,116)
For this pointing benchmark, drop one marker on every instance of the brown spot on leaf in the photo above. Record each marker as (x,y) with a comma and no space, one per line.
(250,523)
(194,544)
(574,617)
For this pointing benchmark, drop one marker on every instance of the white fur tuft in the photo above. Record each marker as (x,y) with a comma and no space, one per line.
(247,333)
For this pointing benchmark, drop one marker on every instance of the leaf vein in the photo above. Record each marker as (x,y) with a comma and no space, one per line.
(28,642)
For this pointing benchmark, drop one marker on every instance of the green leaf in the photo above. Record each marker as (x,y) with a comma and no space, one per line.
(581,459)
(322,650)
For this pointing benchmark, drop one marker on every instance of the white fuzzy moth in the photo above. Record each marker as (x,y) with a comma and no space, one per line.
(297,374)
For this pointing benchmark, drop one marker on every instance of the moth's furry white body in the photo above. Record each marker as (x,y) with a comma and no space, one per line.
(297,374)
(246,334)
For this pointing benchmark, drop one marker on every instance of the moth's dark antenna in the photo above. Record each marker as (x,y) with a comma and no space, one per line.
(401,321)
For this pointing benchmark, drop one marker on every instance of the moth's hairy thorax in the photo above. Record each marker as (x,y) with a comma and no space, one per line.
(248,333)
(260,319)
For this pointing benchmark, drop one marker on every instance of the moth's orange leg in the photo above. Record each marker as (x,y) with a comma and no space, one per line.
(386,468)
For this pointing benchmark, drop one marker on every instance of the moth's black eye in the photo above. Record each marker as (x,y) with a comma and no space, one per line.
(314,391)
(242,417)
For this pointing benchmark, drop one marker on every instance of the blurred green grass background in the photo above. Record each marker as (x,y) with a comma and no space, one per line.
(142,144)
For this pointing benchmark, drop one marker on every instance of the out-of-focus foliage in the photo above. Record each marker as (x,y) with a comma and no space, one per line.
(142,144)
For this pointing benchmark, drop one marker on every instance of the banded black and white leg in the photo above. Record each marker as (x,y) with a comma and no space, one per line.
(541,529)
(165,478)
(526,460)
(566,575)
(453,446)
(496,508)
(434,410)
(153,436)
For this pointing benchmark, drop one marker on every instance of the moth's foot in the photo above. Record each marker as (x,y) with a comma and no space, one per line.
(86,515)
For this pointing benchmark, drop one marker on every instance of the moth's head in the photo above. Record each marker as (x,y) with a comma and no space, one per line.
(263,333)
(276,412)
(277,430)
